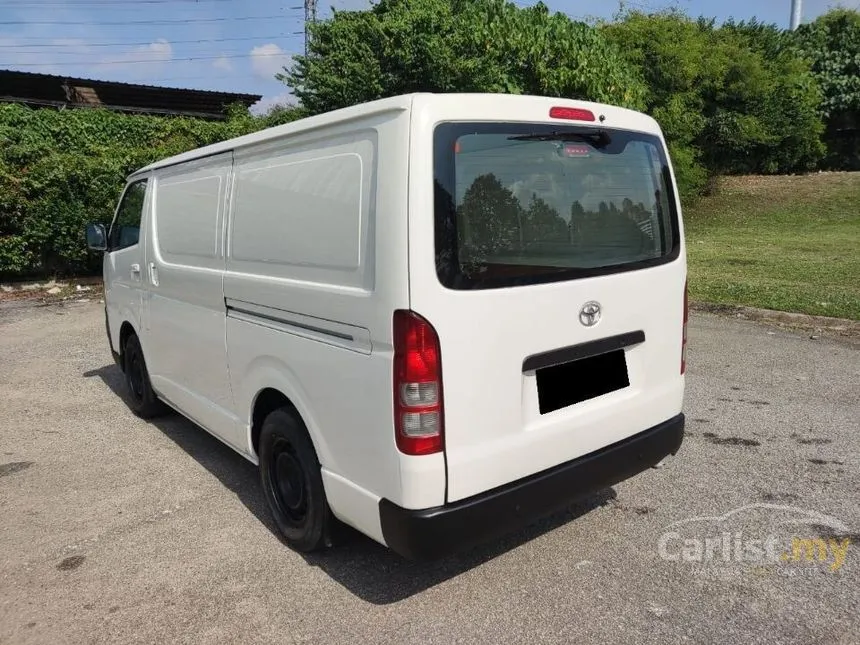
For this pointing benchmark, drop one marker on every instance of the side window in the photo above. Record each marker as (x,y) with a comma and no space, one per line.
(125,230)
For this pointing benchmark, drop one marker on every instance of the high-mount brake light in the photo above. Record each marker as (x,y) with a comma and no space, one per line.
(571,114)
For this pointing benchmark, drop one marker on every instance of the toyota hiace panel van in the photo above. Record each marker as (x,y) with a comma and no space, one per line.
(433,318)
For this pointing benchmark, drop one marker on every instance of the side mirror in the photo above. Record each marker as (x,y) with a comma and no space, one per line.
(96,237)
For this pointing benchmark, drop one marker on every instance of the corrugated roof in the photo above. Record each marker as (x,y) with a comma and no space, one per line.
(67,91)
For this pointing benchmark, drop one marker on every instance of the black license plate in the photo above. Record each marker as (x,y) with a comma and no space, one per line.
(560,386)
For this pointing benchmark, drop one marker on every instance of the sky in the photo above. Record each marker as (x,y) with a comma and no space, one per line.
(236,46)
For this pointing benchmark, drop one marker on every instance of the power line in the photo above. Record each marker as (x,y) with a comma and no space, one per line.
(117,6)
(105,3)
(148,60)
(141,22)
(169,79)
(98,58)
(292,34)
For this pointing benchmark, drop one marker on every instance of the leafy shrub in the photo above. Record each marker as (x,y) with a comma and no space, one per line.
(62,169)
(744,97)
(402,46)
(734,99)
(832,44)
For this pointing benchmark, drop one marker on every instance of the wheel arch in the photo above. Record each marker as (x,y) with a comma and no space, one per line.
(125,331)
(267,401)
(272,389)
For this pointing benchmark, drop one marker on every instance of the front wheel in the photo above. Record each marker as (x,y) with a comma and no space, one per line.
(292,482)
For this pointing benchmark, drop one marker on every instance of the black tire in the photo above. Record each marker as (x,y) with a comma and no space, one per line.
(292,482)
(141,399)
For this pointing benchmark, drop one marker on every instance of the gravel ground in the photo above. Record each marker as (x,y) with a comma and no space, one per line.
(115,530)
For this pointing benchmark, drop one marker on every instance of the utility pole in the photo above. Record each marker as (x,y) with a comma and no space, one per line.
(311,17)
(796,12)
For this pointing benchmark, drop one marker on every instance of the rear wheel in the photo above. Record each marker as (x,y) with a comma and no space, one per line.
(142,399)
(292,482)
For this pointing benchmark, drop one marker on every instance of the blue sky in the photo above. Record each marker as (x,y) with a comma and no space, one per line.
(237,46)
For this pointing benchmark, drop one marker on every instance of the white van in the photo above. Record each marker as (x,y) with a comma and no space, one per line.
(431,317)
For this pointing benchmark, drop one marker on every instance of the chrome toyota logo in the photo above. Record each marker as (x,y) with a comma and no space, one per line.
(589,315)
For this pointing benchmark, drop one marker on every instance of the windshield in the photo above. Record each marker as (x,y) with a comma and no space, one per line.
(526,203)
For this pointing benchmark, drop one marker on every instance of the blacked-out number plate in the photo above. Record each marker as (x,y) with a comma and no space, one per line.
(560,386)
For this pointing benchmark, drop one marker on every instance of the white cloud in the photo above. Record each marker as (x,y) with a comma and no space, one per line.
(267,60)
(268,102)
(74,57)
(151,56)
(140,63)
(29,57)
(223,64)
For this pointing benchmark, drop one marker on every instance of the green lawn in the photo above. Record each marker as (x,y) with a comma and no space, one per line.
(786,243)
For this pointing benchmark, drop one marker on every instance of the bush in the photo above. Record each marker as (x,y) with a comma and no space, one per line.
(744,97)
(62,169)
(734,99)
(403,46)
(832,44)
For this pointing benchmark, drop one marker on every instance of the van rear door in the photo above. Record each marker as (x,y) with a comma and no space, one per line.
(554,276)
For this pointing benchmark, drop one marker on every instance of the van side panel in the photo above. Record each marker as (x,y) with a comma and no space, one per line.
(328,204)
(123,294)
(186,355)
(316,265)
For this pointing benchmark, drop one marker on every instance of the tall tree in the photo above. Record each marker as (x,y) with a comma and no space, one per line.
(733,99)
(832,43)
(401,46)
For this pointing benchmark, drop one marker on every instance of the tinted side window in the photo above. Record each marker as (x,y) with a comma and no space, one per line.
(125,230)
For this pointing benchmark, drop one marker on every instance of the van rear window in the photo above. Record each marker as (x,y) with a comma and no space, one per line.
(528,203)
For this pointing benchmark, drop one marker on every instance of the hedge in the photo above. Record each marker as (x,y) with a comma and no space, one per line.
(62,169)
(736,98)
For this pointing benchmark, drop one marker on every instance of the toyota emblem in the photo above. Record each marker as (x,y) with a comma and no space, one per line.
(589,315)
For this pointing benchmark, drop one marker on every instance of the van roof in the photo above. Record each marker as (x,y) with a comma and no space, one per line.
(394,103)
(302,125)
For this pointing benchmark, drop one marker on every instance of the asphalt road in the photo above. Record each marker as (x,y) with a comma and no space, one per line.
(115,530)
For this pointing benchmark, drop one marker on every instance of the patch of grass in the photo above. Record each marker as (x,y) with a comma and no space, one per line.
(786,243)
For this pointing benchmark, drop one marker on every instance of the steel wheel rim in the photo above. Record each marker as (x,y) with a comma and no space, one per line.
(288,483)
(135,376)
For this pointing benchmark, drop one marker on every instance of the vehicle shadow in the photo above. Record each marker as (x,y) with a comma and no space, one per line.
(365,568)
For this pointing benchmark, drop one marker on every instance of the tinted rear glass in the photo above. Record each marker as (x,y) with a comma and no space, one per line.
(528,203)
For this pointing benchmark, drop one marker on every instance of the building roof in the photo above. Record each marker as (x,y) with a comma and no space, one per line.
(66,91)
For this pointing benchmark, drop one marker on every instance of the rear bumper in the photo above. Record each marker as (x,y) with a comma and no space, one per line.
(433,532)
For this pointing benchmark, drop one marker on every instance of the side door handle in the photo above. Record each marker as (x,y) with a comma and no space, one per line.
(135,272)
(153,274)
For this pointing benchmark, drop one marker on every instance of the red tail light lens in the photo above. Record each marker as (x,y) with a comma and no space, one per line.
(571,114)
(418,420)
(684,332)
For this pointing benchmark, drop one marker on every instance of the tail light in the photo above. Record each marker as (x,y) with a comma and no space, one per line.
(418,419)
(684,333)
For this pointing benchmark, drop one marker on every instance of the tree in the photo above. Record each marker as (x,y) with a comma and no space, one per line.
(832,44)
(402,46)
(764,118)
(734,99)
(542,223)
(491,218)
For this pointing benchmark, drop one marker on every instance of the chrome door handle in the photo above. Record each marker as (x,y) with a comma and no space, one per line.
(153,274)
